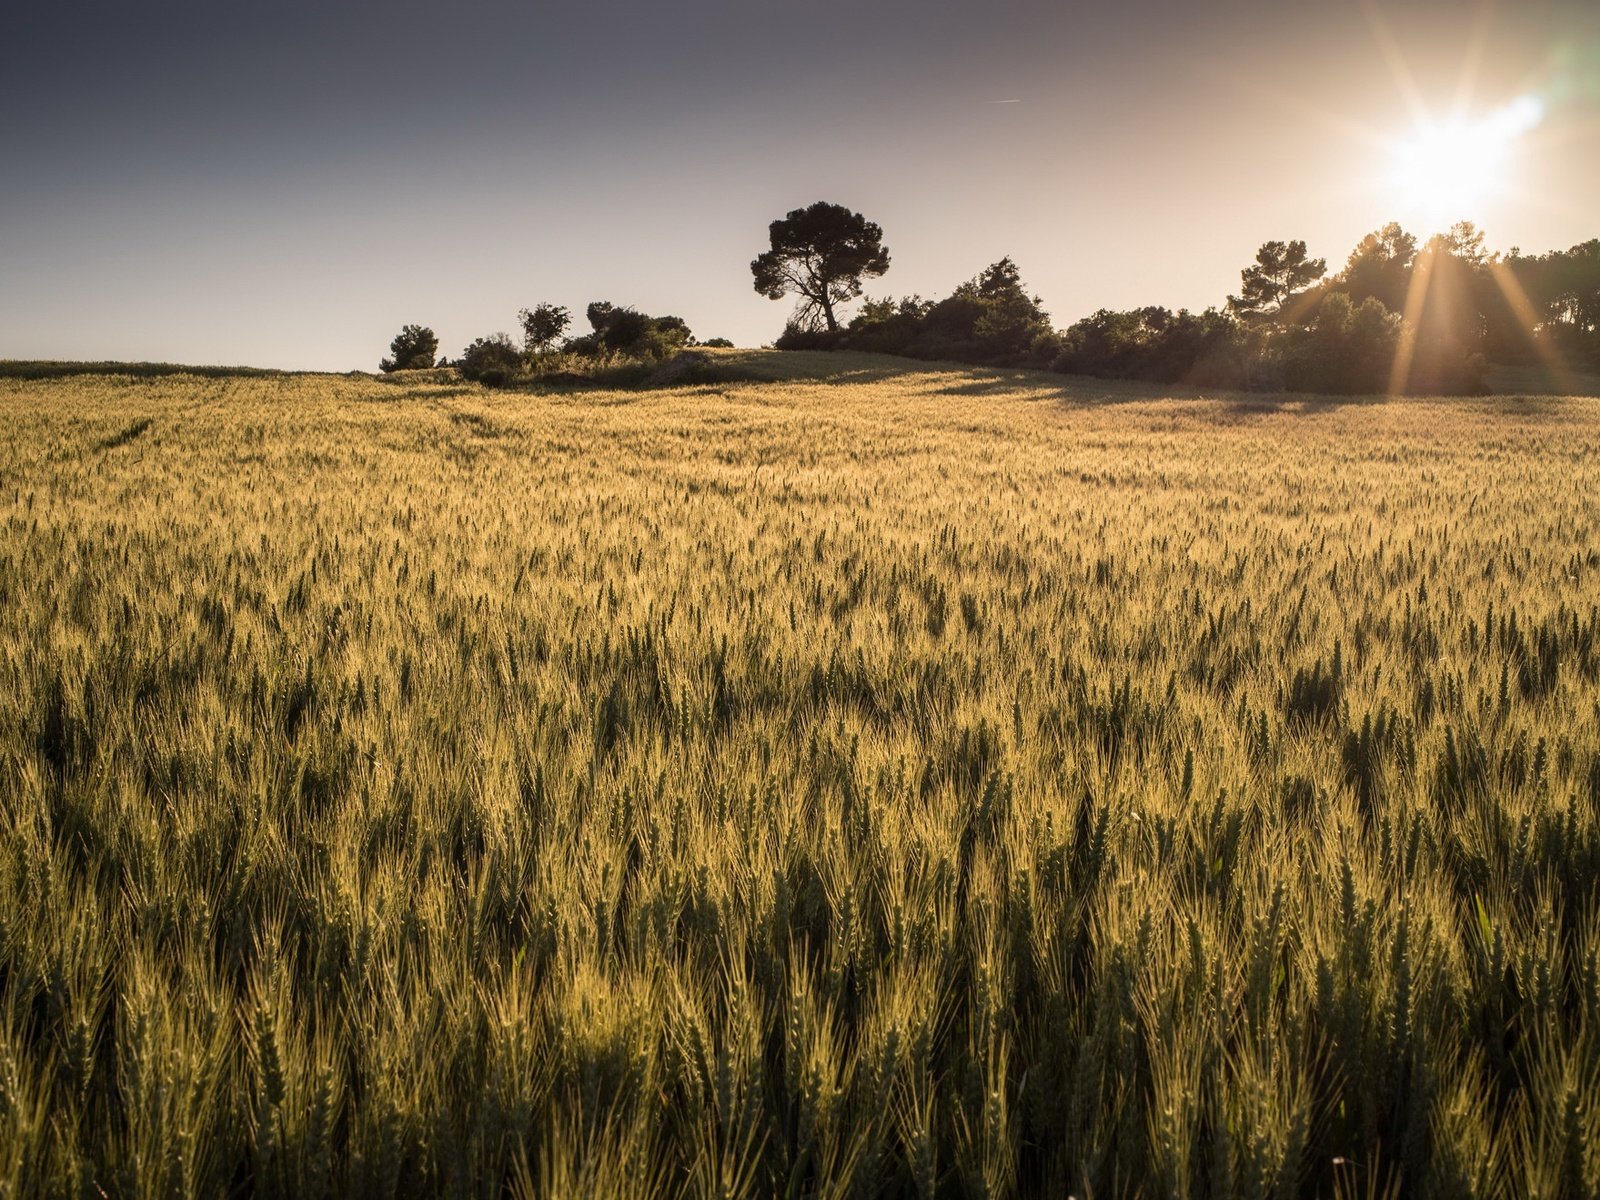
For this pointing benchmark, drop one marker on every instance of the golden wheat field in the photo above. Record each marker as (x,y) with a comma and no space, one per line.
(868,779)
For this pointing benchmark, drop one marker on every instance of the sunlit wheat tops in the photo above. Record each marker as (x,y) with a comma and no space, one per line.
(905,784)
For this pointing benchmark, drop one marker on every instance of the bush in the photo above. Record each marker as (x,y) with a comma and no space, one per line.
(413,349)
(629,332)
(989,320)
(493,360)
(1346,349)
(1158,345)
(797,337)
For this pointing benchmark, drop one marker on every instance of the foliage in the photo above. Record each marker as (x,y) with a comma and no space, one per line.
(1445,311)
(1157,345)
(994,318)
(631,333)
(1379,268)
(1344,348)
(542,327)
(990,319)
(1465,306)
(1319,340)
(1562,290)
(413,348)
(819,254)
(1281,272)
(423,792)
(494,360)
(1347,349)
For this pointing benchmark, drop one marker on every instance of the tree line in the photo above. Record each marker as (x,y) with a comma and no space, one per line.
(1400,316)
(618,335)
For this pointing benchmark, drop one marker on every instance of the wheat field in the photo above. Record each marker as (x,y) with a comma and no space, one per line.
(850,779)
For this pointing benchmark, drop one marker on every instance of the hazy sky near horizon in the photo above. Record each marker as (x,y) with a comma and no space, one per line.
(287,184)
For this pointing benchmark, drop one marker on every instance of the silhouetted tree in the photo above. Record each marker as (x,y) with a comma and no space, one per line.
(1281,271)
(412,349)
(1462,241)
(997,281)
(1452,286)
(1379,268)
(1562,289)
(1450,293)
(542,326)
(820,254)
(1570,292)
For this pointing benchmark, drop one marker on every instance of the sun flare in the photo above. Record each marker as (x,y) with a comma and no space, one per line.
(1449,170)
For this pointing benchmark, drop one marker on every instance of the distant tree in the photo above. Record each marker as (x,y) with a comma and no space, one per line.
(412,349)
(493,360)
(1379,268)
(1449,327)
(615,328)
(1571,292)
(717,343)
(1462,241)
(820,254)
(1452,287)
(990,318)
(542,326)
(998,280)
(1281,272)
(1562,289)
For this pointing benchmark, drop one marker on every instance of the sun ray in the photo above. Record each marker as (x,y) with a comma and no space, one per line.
(1406,349)
(1472,60)
(1528,321)
(1389,47)
(1455,167)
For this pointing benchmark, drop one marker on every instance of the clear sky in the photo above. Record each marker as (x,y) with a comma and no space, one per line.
(287,184)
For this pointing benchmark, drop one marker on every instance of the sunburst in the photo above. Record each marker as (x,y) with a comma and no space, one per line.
(1445,170)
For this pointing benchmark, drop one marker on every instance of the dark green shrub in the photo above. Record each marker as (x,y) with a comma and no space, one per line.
(1346,349)
(1158,345)
(493,360)
(412,349)
(990,319)
(631,333)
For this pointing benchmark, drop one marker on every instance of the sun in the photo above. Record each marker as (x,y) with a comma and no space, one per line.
(1451,169)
